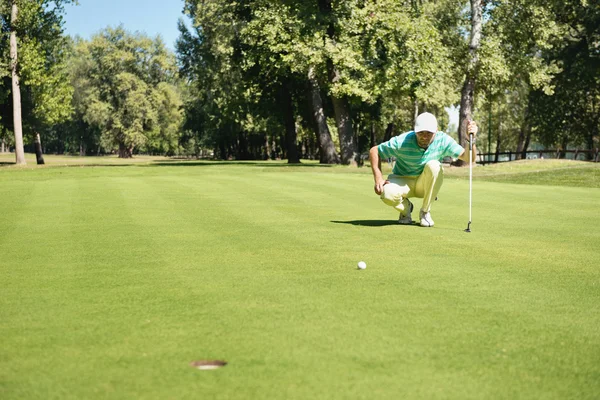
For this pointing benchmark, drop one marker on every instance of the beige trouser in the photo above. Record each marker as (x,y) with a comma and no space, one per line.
(425,186)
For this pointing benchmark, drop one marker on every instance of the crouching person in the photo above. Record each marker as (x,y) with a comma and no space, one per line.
(418,172)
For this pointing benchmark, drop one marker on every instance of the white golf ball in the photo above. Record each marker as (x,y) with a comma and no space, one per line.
(362,265)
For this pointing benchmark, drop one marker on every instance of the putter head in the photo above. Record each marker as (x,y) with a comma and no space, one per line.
(468,227)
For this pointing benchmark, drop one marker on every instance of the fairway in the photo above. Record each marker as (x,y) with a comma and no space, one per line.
(115,278)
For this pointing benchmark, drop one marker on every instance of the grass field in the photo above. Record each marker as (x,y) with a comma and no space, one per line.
(114,278)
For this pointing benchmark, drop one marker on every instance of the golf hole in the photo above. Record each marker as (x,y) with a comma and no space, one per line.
(208,364)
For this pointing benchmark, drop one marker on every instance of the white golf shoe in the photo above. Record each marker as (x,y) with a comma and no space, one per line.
(425,218)
(406,219)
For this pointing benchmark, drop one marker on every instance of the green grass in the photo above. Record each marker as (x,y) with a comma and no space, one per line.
(538,172)
(114,279)
(8,159)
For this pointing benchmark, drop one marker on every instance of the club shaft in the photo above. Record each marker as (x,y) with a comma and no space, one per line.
(470,177)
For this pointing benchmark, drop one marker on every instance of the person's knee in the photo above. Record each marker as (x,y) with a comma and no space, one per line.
(390,195)
(393,195)
(434,167)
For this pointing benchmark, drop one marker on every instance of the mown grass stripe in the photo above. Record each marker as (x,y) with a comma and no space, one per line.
(163,265)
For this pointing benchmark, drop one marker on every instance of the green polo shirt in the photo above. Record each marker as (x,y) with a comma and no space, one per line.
(411,159)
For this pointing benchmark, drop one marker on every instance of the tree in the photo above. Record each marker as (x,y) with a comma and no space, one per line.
(278,40)
(570,114)
(40,86)
(243,86)
(126,87)
(349,56)
(516,38)
(506,60)
(328,154)
(405,60)
(16,89)
(341,106)
(374,65)
(210,57)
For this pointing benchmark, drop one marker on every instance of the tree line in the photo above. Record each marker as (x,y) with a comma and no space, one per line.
(318,79)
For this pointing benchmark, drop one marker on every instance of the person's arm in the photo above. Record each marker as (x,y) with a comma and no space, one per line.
(471,128)
(376,168)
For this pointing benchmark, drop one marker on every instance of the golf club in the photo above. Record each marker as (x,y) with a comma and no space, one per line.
(470,180)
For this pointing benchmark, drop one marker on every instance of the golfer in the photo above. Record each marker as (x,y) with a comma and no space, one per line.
(418,171)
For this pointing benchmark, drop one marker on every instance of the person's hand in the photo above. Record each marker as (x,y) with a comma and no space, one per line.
(472,128)
(379,184)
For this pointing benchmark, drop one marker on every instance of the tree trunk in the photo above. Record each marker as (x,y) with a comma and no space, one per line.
(372,141)
(498,142)
(562,153)
(124,151)
(3,149)
(389,132)
(590,142)
(415,111)
(341,108)
(242,147)
(524,134)
(314,146)
(527,141)
(39,154)
(16,88)
(468,90)
(290,125)
(521,154)
(267,148)
(593,130)
(328,155)
(345,132)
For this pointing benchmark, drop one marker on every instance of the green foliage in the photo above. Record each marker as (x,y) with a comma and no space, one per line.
(395,54)
(207,59)
(45,88)
(516,36)
(240,53)
(169,119)
(571,116)
(126,87)
(241,61)
(237,85)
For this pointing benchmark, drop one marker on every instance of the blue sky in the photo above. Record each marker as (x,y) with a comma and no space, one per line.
(153,17)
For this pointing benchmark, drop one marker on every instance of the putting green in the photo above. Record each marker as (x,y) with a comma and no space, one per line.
(114,279)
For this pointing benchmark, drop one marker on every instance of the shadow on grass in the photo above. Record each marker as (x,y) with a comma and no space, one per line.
(368,222)
(379,223)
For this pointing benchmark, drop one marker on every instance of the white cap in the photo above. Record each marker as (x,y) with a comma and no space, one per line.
(426,122)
